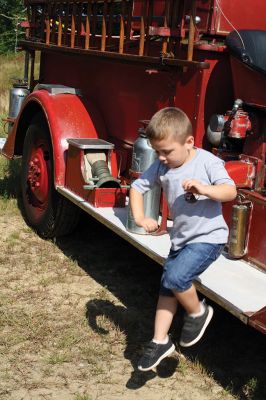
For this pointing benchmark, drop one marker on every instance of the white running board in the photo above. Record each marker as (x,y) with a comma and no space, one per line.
(233,284)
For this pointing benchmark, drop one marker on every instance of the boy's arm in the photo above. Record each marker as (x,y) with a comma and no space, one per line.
(137,208)
(222,192)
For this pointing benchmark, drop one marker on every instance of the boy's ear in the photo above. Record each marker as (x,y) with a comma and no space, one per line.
(190,140)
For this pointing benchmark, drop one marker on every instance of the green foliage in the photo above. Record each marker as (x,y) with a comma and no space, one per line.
(12,12)
(83,397)
(9,178)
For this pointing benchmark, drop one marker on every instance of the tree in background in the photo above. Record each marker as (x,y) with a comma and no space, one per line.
(11,13)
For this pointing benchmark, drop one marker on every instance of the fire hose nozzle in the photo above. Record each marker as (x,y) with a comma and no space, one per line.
(101,171)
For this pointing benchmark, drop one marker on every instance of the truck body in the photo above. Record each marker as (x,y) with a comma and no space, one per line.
(105,68)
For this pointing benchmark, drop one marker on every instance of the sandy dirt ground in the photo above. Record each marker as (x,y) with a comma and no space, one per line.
(76,313)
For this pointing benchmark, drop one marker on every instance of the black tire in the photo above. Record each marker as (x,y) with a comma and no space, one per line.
(43,208)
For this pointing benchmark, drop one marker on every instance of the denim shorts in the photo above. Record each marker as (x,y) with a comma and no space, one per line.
(184,265)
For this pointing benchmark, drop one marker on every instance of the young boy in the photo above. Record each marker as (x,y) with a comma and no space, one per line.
(195,183)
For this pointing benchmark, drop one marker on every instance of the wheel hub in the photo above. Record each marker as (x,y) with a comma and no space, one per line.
(38,175)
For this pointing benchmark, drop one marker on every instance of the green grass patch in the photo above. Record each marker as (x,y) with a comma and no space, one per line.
(8,206)
(9,178)
(58,358)
(12,66)
(82,397)
(11,71)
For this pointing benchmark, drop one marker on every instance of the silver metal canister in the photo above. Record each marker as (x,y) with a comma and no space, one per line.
(143,156)
(16,97)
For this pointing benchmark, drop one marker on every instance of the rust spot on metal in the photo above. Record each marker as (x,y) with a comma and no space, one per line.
(258,320)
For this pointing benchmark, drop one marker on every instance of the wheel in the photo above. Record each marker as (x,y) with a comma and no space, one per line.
(43,209)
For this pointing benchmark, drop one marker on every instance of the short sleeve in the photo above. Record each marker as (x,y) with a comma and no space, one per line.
(218,174)
(148,179)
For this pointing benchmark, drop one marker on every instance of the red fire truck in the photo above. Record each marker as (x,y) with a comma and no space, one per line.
(105,68)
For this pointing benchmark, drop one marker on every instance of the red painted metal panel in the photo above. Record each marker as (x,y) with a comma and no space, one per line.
(204,12)
(249,85)
(216,17)
(242,173)
(257,232)
(230,15)
(68,116)
(255,144)
(126,93)
(123,92)
(203,93)
(258,320)
(74,177)
(107,197)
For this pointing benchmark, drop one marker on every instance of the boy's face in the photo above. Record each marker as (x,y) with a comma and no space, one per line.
(173,153)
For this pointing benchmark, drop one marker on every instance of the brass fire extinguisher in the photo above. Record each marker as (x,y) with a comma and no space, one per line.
(237,245)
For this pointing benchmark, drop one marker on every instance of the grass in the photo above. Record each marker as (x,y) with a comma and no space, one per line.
(251,387)
(9,177)
(83,397)
(11,70)
(58,359)
(182,366)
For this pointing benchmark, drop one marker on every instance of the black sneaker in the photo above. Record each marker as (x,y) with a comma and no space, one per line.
(154,354)
(194,328)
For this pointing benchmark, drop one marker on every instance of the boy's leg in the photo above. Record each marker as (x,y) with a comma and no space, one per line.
(180,269)
(197,318)
(179,272)
(189,300)
(161,345)
(166,309)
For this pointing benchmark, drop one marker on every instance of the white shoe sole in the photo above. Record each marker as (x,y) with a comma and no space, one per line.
(208,319)
(170,351)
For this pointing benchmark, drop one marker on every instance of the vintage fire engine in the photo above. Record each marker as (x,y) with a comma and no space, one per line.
(79,124)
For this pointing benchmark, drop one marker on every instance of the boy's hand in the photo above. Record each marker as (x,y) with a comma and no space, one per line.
(149,224)
(222,192)
(194,186)
(137,208)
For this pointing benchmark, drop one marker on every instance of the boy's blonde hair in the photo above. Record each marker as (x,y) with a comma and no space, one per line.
(169,121)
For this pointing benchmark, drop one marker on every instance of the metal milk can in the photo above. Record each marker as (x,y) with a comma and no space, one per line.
(143,156)
(16,97)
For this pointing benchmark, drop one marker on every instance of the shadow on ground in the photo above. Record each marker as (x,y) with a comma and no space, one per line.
(10,178)
(234,354)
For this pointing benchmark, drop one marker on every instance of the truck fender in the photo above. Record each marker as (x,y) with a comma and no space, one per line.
(67,116)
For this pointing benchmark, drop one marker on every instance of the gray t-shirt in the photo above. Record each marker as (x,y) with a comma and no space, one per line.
(201,221)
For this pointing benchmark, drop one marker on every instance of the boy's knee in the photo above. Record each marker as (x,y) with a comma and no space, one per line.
(175,281)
